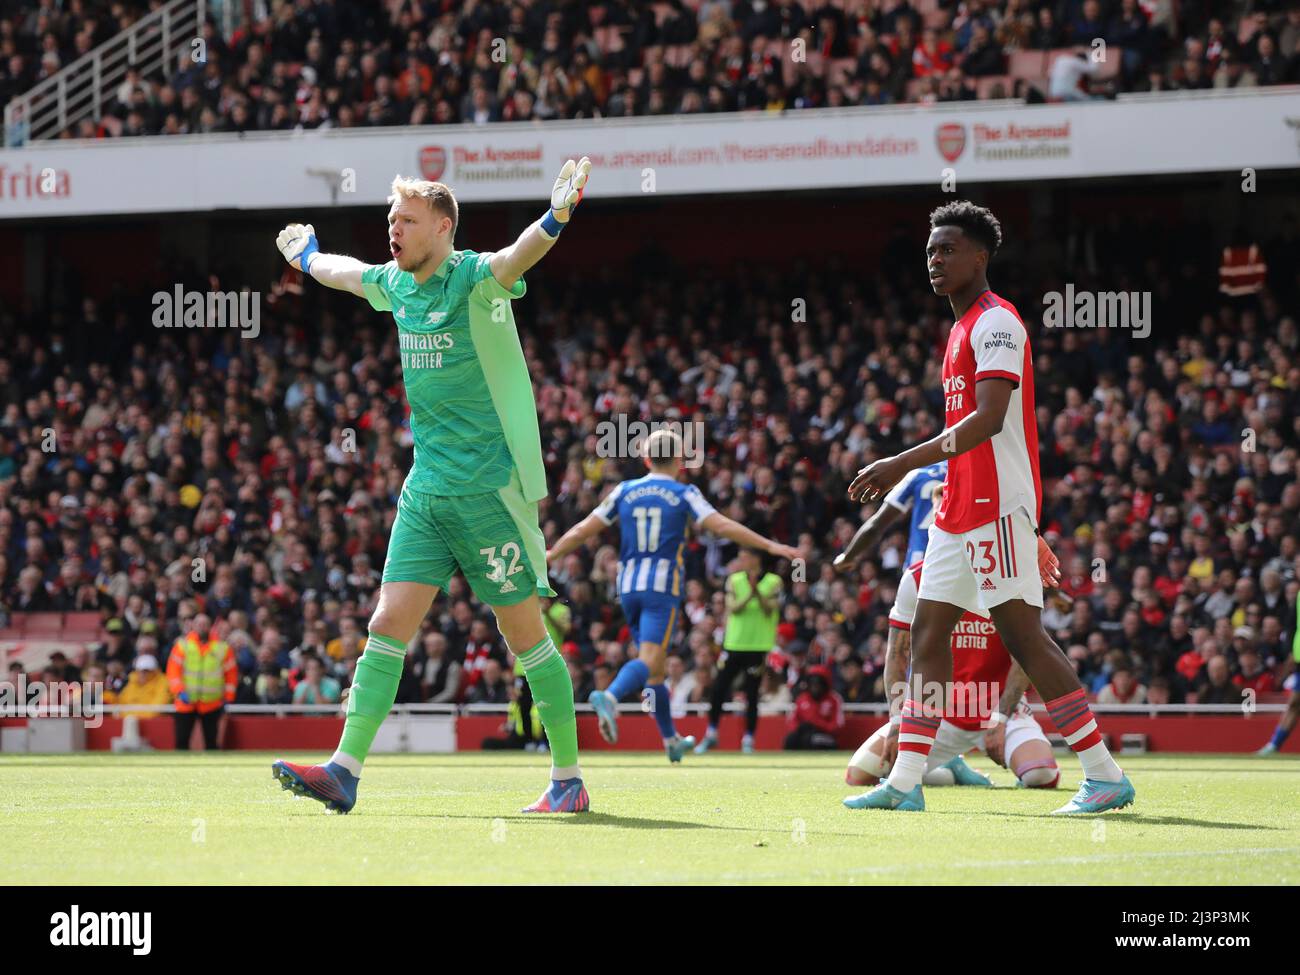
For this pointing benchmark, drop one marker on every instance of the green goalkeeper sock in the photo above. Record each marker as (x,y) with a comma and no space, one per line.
(373,691)
(552,689)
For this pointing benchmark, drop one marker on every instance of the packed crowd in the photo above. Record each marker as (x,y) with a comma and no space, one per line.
(348,63)
(147,475)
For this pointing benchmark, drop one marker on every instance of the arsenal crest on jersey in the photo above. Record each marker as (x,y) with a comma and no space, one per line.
(951,137)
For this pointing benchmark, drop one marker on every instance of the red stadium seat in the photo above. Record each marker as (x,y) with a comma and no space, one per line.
(41,624)
(79,627)
(1027,64)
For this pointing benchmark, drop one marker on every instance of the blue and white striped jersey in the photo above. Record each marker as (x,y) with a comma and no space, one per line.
(654,511)
(916,493)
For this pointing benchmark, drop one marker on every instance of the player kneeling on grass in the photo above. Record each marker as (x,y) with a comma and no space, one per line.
(470,499)
(981,664)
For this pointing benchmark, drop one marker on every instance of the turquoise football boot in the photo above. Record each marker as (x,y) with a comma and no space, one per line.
(885,796)
(1096,797)
(963,774)
(606,709)
(679,746)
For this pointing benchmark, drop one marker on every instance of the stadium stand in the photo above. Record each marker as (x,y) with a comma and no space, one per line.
(347,63)
(199,445)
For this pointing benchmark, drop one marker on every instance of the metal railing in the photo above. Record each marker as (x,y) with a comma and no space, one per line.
(84,88)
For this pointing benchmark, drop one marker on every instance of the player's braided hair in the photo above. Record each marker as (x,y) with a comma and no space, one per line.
(976,222)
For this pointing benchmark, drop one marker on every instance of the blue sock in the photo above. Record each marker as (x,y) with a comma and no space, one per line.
(663,710)
(1279,736)
(631,678)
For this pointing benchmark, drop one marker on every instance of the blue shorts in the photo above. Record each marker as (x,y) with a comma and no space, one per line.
(651,617)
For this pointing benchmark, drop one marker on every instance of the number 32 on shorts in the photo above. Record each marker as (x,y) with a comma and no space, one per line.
(498,571)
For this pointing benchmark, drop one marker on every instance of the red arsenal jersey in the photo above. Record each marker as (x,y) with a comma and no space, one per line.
(1001,474)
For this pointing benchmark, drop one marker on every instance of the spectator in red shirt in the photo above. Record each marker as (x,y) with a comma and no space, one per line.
(1251,674)
(1078,583)
(932,57)
(818,714)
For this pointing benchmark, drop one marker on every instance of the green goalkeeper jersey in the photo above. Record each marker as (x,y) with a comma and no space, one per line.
(472,410)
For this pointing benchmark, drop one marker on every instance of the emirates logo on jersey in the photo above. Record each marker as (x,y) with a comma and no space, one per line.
(951,138)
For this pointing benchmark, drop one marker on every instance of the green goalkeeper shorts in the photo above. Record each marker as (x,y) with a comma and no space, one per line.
(492,537)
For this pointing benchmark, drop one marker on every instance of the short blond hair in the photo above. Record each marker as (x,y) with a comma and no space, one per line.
(662,447)
(438,195)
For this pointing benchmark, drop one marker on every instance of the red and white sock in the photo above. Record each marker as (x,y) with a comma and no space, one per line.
(915,739)
(1073,719)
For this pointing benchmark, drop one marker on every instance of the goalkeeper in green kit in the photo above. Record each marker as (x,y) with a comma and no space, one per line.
(470,499)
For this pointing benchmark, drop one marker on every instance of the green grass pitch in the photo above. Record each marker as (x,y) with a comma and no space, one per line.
(724,818)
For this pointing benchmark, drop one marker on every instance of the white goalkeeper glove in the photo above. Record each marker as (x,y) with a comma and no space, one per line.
(565,195)
(297,242)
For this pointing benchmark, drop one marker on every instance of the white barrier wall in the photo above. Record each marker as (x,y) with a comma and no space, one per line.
(991,141)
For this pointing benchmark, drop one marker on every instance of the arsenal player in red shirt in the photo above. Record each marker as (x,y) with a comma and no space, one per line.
(980,556)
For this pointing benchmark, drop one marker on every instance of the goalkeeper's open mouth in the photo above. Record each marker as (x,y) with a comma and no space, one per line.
(394,248)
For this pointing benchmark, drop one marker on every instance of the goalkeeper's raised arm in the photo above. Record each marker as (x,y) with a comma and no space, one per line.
(297,242)
(510,263)
(420,236)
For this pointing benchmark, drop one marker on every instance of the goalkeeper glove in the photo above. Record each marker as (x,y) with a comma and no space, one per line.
(298,242)
(565,195)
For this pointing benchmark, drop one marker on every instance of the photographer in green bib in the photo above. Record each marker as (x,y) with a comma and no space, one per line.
(753,611)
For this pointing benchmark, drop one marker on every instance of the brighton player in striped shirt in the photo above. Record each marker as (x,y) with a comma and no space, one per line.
(654,512)
(915,493)
(980,556)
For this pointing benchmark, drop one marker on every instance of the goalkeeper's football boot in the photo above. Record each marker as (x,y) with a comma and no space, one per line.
(963,774)
(679,746)
(885,796)
(710,740)
(1095,796)
(564,796)
(606,714)
(330,784)
(747,744)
